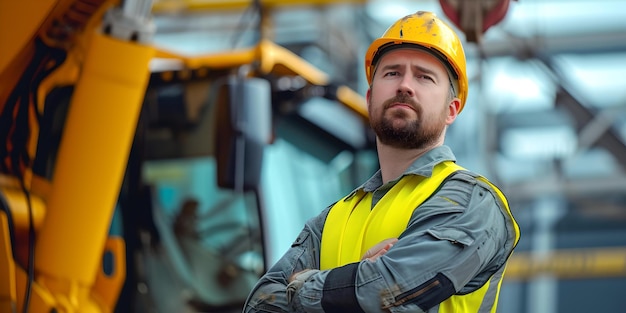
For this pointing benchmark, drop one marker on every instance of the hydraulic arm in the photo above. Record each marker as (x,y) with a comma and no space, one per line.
(64,271)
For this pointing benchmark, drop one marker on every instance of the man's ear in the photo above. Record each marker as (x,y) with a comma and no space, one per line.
(453,110)
(368,95)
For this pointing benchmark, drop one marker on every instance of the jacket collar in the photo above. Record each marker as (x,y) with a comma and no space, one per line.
(423,166)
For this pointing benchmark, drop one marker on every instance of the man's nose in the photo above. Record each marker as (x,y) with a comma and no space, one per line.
(405,86)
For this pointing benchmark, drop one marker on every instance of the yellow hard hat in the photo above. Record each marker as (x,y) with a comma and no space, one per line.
(428,32)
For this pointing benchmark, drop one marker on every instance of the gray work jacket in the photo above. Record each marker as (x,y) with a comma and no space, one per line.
(461,236)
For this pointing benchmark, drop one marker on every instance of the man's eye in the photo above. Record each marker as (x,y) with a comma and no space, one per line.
(392,74)
(425,77)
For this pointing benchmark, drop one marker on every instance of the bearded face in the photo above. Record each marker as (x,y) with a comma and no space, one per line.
(404,129)
(410,101)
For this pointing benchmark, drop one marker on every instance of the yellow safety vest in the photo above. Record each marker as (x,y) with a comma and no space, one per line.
(352,226)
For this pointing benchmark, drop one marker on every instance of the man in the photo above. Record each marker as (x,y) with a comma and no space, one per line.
(423,234)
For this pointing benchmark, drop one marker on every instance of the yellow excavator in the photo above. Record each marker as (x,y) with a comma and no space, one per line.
(74,78)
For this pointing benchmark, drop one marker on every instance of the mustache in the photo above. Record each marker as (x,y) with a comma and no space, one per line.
(401,98)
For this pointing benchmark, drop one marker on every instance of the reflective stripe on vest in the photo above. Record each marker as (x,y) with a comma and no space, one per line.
(353,226)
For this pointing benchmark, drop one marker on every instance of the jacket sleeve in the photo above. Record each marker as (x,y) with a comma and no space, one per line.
(270,292)
(454,243)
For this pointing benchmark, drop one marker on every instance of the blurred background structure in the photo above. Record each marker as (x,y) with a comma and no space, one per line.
(202,218)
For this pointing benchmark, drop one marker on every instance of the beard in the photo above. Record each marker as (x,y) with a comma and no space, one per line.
(406,134)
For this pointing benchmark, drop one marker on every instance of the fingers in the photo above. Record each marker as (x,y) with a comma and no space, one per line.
(294,275)
(379,249)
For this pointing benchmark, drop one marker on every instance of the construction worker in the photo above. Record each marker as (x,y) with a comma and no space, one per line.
(422,234)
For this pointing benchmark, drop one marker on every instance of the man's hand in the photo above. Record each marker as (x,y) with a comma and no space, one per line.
(379,249)
(372,254)
(296,280)
(293,276)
